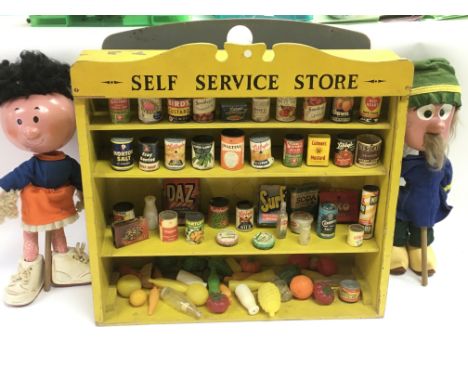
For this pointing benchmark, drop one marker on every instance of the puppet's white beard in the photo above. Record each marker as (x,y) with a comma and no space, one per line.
(435,148)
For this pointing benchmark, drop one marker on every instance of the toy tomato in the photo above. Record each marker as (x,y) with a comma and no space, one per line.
(323,293)
(301,260)
(217,303)
(250,265)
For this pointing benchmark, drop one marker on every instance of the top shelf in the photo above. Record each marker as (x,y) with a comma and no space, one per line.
(102,123)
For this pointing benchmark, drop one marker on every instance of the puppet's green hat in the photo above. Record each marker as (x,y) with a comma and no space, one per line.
(434,83)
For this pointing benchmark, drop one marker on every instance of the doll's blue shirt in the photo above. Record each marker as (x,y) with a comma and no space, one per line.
(44,173)
(423,200)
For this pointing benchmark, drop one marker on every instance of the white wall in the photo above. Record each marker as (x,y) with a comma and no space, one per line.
(415,339)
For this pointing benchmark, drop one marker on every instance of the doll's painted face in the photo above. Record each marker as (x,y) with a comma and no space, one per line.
(39,123)
(429,119)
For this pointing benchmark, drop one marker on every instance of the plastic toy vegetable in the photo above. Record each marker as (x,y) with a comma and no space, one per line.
(217,303)
(37,115)
(174,284)
(153,299)
(323,293)
(269,298)
(250,265)
(426,172)
(327,266)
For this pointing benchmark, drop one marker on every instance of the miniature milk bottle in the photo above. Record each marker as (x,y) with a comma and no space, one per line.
(150,212)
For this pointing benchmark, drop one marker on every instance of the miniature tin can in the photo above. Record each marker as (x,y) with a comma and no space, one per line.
(345,147)
(203,152)
(286,109)
(148,155)
(194,227)
(122,153)
(204,109)
(368,150)
(342,109)
(369,111)
(263,240)
(232,149)
(368,209)
(355,236)
(179,109)
(119,110)
(349,291)
(168,226)
(227,238)
(174,153)
(129,231)
(233,110)
(293,150)
(314,109)
(261,109)
(326,220)
(123,211)
(218,212)
(244,216)
(299,218)
(260,151)
(318,149)
(150,110)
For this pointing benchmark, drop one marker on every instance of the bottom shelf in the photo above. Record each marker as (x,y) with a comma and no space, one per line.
(123,313)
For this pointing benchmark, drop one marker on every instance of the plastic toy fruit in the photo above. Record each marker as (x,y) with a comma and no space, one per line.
(197,293)
(269,298)
(327,266)
(301,260)
(137,298)
(301,287)
(217,303)
(323,293)
(250,265)
(127,284)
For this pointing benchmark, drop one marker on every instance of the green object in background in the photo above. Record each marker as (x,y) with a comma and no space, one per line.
(104,21)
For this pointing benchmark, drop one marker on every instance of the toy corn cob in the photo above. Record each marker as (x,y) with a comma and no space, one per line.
(269,298)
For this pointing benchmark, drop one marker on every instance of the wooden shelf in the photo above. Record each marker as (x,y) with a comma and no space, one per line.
(123,313)
(101,123)
(103,169)
(155,247)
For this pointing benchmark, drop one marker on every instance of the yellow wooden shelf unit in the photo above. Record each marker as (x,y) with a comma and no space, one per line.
(237,71)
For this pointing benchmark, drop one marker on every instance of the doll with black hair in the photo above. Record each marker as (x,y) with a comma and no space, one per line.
(37,115)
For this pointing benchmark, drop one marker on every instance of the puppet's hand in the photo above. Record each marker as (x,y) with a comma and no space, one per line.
(8,205)
(80,203)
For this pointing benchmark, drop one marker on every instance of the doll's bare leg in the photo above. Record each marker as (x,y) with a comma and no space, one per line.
(70,266)
(59,241)
(26,284)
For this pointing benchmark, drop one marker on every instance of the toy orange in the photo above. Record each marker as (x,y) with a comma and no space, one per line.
(301,287)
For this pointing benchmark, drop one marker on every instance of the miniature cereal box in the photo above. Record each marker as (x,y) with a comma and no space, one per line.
(347,202)
(318,149)
(129,231)
(269,204)
(181,195)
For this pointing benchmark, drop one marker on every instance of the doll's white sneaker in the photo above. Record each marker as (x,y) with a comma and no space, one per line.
(71,268)
(26,284)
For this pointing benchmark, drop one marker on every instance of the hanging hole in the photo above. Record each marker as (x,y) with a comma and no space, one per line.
(247,53)
(240,34)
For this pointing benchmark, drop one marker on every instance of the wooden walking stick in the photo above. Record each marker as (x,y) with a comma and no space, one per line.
(424,275)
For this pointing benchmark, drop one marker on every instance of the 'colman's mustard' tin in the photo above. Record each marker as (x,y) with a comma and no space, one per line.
(318,149)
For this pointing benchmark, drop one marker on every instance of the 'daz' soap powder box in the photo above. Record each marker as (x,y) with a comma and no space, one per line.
(181,195)
(269,204)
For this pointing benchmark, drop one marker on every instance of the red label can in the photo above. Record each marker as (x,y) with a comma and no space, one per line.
(369,111)
(345,147)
